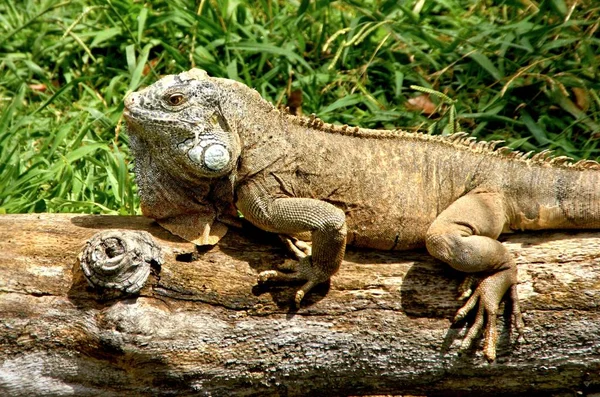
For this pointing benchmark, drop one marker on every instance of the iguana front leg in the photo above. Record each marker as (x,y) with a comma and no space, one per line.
(291,216)
(464,236)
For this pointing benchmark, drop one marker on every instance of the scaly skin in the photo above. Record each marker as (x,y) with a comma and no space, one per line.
(206,145)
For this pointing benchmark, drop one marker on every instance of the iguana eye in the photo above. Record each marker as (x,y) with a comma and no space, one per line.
(175,99)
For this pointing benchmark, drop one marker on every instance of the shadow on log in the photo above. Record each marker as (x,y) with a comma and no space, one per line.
(201,326)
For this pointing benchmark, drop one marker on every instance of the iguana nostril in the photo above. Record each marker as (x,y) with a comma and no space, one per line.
(130,99)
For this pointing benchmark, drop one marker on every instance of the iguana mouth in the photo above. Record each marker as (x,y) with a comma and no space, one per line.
(129,115)
(138,117)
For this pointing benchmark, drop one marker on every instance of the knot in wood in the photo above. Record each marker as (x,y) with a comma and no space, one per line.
(119,259)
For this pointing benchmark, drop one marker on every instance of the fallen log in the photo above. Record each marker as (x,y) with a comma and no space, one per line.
(202,326)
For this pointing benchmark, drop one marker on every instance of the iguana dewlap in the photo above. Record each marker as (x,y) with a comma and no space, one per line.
(206,147)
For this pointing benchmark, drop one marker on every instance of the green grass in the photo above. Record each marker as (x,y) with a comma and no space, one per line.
(526,72)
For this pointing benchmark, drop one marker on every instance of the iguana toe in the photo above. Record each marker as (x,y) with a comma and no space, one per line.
(465,289)
(490,339)
(299,248)
(467,307)
(267,275)
(298,298)
(303,291)
(474,330)
(490,334)
(517,317)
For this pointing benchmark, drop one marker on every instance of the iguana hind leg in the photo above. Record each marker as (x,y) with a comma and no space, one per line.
(464,236)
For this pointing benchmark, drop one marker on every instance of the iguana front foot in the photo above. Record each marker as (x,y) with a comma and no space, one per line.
(299,271)
(488,295)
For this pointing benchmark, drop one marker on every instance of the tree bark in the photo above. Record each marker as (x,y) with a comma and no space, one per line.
(202,326)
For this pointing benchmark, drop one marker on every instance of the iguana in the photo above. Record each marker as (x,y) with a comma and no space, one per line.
(208,147)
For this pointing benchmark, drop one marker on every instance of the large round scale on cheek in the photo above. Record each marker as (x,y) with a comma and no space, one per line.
(216,157)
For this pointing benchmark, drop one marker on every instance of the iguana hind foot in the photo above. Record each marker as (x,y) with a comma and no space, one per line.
(487,297)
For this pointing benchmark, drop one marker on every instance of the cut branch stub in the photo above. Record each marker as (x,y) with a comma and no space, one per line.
(119,259)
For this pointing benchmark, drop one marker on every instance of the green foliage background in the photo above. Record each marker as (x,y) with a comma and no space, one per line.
(523,71)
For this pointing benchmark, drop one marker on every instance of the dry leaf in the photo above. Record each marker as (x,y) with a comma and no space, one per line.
(421,103)
(147,66)
(38,87)
(582,100)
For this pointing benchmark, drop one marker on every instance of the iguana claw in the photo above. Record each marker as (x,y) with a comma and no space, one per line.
(465,289)
(298,299)
(265,276)
(299,248)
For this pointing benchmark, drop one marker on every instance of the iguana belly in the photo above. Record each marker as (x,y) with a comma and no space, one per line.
(403,234)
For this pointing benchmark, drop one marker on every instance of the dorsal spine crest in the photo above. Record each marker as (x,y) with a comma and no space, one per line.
(460,140)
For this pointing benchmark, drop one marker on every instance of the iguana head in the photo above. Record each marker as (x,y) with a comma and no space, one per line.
(186,154)
(181,116)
